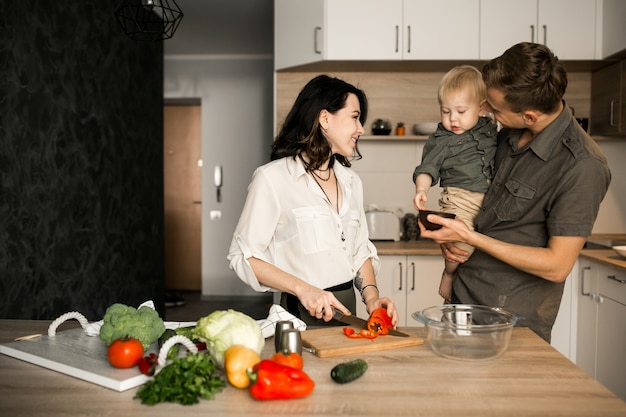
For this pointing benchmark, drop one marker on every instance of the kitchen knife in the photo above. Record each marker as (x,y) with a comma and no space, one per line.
(361,323)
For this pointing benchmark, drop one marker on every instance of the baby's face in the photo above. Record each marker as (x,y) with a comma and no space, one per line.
(460,111)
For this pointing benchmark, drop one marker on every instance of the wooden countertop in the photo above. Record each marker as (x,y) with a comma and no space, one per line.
(428,247)
(530,379)
(606,256)
(410,248)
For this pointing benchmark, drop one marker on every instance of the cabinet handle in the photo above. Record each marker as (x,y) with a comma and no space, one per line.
(582,282)
(413,275)
(612,121)
(532,33)
(614,278)
(400,287)
(397,38)
(315,43)
(408,32)
(545,35)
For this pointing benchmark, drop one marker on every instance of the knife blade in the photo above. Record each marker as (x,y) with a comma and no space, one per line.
(361,323)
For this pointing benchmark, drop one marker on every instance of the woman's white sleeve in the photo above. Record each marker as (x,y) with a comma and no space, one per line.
(255,231)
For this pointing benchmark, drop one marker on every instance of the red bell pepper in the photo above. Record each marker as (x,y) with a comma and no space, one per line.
(379,321)
(273,381)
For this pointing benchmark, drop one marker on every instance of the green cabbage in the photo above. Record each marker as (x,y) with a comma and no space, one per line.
(225,328)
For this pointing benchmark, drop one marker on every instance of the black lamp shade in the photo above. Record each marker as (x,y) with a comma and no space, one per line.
(149,20)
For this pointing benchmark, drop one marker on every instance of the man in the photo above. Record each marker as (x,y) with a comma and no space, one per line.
(541,205)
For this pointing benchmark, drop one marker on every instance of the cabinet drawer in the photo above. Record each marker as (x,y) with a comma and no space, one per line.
(612,282)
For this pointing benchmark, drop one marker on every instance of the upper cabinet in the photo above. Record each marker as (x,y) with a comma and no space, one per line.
(608,105)
(568,27)
(353,30)
(308,31)
(441,29)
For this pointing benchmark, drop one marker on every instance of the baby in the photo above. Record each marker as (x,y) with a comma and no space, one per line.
(459,155)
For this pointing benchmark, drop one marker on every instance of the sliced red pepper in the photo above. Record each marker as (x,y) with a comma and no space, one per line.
(379,321)
(368,334)
(273,381)
(364,333)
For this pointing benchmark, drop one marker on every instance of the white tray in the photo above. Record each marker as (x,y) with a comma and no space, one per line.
(73,353)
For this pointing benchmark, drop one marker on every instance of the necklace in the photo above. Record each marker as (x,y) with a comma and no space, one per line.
(323,179)
(336,188)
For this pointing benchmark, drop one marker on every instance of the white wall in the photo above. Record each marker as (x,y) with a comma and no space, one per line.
(387,168)
(236,96)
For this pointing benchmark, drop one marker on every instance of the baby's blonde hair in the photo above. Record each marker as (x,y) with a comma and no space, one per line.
(462,77)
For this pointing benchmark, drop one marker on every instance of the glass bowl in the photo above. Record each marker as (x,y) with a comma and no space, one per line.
(467,332)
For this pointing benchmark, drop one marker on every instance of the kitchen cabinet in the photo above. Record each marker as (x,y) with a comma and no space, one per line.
(365,30)
(412,282)
(608,109)
(314,30)
(601,333)
(568,27)
(441,30)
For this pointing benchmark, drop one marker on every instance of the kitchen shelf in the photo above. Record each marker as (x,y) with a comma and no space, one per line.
(387,138)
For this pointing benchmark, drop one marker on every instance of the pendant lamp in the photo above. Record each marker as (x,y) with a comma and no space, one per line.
(149,20)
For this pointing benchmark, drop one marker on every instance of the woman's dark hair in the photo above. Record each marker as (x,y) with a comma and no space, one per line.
(301,132)
(529,75)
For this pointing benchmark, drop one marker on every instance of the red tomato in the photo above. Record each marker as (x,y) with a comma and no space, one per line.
(125,353)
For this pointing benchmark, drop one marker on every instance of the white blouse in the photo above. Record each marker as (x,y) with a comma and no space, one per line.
(288,222)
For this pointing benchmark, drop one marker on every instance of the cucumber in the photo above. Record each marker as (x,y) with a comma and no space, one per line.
(348,371)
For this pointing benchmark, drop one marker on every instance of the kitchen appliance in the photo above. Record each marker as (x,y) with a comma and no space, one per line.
(467,332)
(383,225)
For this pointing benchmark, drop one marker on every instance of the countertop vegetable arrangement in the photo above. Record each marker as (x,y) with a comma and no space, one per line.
(233,343)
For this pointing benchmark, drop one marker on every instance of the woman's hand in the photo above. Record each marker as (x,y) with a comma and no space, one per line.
(384,302)
(320,303)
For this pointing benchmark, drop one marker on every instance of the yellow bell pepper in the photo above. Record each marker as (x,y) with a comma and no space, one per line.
(237,360)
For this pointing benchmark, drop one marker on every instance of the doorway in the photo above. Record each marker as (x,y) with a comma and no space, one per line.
(182,169)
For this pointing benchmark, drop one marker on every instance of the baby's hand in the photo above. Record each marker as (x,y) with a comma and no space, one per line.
(420,200)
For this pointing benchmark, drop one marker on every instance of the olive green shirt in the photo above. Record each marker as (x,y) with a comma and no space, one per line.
(462,161)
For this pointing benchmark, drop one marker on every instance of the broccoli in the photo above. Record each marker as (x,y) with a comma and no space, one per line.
(143,324)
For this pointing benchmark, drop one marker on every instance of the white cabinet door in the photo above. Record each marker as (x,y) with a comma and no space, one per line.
(391,283)
(422,284)
(568,27)
(441,29)
(504,23)
(611,343)
(297,32)
(363,30)
(412,282)
(565,323)
(587,317)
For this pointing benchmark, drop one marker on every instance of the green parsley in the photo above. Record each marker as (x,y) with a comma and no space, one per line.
(183,381)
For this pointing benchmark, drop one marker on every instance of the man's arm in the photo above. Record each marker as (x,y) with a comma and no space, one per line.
(553,263)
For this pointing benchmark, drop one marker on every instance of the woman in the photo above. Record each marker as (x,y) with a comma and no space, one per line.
(302,230)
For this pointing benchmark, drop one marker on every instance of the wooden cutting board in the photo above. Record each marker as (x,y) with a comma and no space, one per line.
(330,341)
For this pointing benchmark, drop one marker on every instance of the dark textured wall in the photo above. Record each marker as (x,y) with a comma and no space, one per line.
(81,161)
